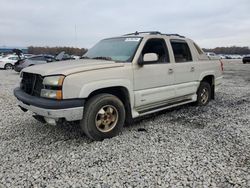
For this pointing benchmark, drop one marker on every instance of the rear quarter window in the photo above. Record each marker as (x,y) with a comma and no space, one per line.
(199,50)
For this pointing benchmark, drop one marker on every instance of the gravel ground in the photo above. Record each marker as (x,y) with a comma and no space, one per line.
(184,147)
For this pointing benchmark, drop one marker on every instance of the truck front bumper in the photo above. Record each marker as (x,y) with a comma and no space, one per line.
(68,109)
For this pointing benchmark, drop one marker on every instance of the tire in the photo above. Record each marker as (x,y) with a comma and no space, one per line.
(103,117)
(8,66)
(203,94)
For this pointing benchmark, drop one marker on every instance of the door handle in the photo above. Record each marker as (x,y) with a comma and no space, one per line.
(192,69)
(170,71)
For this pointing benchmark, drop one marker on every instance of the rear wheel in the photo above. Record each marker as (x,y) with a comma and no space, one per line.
(103,117)
(203,94)
(8,66)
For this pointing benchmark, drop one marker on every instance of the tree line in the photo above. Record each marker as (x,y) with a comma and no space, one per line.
(230,50)
(56,50)
(81,51)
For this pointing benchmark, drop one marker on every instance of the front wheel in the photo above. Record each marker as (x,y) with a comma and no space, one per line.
(203,94)
(8,66)
(103,117)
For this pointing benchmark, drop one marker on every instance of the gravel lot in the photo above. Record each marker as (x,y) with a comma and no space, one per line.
(187,146)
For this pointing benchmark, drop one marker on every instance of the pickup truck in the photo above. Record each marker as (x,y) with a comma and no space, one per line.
(119,79)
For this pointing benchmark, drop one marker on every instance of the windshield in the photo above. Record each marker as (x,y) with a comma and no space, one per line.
(117,49)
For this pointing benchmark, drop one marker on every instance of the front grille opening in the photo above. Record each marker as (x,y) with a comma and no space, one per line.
(32,84)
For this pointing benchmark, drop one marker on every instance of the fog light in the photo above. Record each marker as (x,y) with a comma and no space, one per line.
(53,94)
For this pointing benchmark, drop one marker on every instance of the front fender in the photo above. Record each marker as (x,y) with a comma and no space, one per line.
(88,88)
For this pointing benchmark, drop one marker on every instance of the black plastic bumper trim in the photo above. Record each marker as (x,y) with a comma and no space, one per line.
(47,103)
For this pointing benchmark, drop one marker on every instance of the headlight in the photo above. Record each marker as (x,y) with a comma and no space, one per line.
(53,87)
(53,80)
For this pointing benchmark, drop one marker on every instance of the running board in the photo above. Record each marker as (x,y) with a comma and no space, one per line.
(170,105)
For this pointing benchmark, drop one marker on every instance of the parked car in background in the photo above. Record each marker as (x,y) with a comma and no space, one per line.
(34,60)
(28,55)
(246,59)
(212,56)
(228,56)
(40,59)
(75,57)
(236,56)
(222,56)
(7,62)
(63,57)
(67,57)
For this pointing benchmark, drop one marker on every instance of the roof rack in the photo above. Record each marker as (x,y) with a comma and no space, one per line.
(144,32)
(177,35)
(153,33)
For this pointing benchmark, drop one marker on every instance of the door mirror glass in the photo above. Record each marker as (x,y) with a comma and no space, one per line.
(150,57)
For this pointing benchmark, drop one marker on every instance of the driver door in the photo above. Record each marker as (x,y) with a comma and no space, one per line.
(153,82)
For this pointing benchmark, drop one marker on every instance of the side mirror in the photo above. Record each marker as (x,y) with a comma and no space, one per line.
(150,57)
(147,58)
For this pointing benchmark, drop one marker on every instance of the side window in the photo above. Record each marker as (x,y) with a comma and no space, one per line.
(157,46)
(32,58)
(181,51)
(37,58)
(13,58)
(42,59)
(199,50)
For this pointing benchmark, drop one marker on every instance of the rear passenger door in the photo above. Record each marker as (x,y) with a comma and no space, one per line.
(184,69)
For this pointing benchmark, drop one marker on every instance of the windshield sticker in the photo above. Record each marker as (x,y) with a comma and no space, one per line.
(132,39)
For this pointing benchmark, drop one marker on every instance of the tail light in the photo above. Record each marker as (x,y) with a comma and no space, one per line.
(221,66)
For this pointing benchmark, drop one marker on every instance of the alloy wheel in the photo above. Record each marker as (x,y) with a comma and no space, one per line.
(204,95)
(106,118)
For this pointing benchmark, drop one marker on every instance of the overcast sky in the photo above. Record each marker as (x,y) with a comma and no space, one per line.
(82,23)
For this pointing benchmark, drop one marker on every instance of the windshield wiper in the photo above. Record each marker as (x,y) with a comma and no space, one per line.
(102,57)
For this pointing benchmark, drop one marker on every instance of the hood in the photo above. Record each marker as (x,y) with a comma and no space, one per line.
(71,67)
